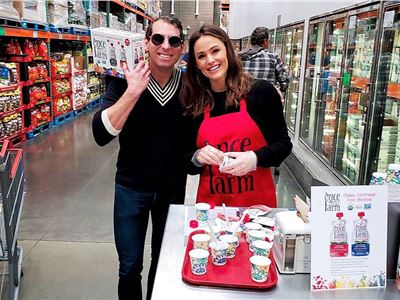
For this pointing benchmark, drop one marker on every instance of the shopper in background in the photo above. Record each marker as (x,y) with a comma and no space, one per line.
(145,113)
(264,64)
(232,116)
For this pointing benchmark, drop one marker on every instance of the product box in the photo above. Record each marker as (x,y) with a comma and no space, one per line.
(292,243)
(112,48)
(31,10)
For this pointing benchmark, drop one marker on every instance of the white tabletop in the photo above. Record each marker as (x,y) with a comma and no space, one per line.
(169,285)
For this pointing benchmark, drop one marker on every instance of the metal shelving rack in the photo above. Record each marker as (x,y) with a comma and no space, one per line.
(12,182)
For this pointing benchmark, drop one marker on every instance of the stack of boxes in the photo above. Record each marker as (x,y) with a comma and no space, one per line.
(387,151)
(31,10)
(112,48)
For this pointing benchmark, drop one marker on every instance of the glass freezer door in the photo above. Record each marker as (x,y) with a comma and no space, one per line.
(294,73)
(311,82)
(278,42)
(329,88)
(271,40)
(355,93)
(384,141)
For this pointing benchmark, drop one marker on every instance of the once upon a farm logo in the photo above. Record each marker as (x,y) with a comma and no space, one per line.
(332,202)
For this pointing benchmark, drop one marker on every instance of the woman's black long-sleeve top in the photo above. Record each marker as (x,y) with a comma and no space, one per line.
(264,106)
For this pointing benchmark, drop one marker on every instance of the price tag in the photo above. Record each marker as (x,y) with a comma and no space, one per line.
(388,20)
(60,36)
(35,34)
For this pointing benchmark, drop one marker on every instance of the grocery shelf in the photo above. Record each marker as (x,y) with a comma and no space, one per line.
(69,37)
(138,12)
(27,33)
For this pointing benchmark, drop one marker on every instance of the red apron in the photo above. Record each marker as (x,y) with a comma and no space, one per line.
(234,132)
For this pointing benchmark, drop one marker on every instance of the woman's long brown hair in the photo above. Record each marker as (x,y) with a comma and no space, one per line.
(196,91)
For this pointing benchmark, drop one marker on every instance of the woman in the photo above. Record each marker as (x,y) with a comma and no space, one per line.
(232,116)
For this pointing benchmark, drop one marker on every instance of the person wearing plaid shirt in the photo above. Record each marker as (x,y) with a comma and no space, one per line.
(262,63)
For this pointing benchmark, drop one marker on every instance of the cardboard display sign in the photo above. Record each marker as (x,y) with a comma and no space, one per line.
(349,237)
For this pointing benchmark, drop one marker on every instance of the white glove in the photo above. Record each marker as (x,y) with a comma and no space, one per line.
(209,155)
(242,163)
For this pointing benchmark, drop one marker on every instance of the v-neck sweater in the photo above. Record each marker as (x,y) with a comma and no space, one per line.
(150,157)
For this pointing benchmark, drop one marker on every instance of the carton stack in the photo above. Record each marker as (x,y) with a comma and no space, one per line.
(112,48)
(387,149)
(397,150)
(31,10)
(58,12)
(8,11)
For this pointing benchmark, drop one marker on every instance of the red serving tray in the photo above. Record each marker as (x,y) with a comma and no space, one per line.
(235,273)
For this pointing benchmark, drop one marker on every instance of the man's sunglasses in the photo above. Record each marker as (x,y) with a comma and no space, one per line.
(157,39)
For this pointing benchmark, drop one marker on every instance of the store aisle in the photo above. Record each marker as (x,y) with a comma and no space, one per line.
(66,224)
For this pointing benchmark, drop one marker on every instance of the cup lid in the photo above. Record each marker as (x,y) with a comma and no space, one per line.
(228,238)
(202,206)
(219,245)
(260,260)
(262,244)
(198,253)
(201,237)
(251,225)
(258,233)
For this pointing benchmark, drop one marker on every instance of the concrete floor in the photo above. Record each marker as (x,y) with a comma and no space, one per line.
(66,225)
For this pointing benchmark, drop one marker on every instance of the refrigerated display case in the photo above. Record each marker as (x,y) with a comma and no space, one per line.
(384,140)
(356,97)
(271,40)
(236,44)
(245,43)
(311,81)
(337,87)
(292,40)
(278,42)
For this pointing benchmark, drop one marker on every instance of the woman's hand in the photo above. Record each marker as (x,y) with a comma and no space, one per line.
(138,78)
(242,163)
(209,155)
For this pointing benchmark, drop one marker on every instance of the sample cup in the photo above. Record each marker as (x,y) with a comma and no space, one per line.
(202,211)
(232,240)
(201,241)
(259,268)
(251,226)
(198,261)
(254,235)
(218,252)
(261,248)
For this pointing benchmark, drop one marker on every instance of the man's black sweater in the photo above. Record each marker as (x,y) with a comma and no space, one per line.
(150,158)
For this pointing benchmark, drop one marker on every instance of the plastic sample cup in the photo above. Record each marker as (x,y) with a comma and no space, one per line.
(202,211)
(259,268)
(198,261)
(262,248)
(201,241)
(232,240)
(254,235)
(218,253)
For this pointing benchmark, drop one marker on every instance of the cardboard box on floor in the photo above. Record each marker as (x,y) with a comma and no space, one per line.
(111,48)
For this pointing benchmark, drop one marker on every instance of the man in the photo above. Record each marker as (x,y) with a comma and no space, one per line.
(145,113)
(262,63)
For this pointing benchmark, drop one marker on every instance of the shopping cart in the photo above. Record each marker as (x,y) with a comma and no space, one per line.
(12,183)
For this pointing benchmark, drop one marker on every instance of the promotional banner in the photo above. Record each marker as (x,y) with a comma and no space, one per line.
(349,237)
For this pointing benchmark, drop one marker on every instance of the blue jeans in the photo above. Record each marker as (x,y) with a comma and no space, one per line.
(131,216)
